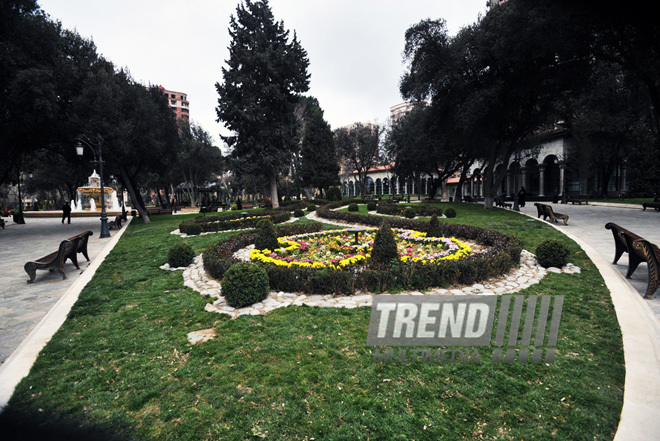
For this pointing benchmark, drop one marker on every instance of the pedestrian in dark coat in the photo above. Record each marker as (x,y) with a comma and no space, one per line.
(522,194)
(66,212)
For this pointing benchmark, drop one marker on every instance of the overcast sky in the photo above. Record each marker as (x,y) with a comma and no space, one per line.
(354,47)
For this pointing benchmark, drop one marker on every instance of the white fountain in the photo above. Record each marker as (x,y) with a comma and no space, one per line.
(92,191)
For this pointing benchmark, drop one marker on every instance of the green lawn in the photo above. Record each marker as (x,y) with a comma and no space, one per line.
(121,364)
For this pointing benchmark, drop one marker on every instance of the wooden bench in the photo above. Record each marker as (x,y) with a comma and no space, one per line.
(547,212)
(158,210)
(555,216)
(115,223)
(499,202)
(579,199)
(639,250)
(54,261)
(655,204)
(211,209)
(468,199)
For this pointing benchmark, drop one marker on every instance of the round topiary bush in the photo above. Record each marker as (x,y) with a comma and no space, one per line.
(450,212)
(371,206)
(181,254)
(244,284)
(298,213)
(409,213)
(266,236)
(552,252)
(193,230)
(353,207)
(311,207)
(384,249)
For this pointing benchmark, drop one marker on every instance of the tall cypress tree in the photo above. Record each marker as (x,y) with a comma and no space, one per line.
(319,162)
(265,74)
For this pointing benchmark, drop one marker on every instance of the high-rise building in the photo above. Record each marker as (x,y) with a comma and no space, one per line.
(178,102)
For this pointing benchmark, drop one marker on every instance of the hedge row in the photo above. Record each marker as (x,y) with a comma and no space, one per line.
(229,222)
(502,255)
(386,207)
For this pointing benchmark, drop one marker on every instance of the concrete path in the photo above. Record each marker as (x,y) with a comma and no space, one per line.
(639,318)
(587,222)
(31,313)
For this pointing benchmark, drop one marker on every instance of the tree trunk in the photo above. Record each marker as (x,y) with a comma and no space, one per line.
(308,193)
(135,195)
(489,188)
(273,191)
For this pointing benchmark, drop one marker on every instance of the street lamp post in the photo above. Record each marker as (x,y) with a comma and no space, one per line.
(82,139)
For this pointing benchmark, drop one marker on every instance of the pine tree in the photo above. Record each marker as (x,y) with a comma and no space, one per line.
(319,162)
(434,227)
(265,74)
(384,249)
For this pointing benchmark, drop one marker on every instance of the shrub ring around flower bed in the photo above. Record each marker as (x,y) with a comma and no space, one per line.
(502,254)
(232,221)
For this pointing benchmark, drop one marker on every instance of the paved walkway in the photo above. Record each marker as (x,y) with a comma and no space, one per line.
(587,222)
(40,308)
(23,305)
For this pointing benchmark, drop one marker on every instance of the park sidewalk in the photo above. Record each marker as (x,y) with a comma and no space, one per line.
(31,313)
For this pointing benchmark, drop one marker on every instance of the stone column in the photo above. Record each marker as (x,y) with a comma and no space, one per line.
(509,175)
(523,177)
(541,179)
(624,184)
(472,185)
(562,171)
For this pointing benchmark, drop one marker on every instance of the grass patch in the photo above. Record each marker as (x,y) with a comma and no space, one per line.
(121,365)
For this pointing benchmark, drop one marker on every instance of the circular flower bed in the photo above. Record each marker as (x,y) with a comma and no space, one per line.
(337,249)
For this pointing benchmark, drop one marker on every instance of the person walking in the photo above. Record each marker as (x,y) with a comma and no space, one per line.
(66,212)
(522,194)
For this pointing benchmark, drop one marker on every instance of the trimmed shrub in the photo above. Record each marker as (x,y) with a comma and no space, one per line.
(193,230)
(311,207)
(409,213)
(384,249)
(372,206)
(244,284)
(353,207)
(266,236)
(434,227)
(298,213)
(181,254)
(333,194)
(450,212)
(552,252)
